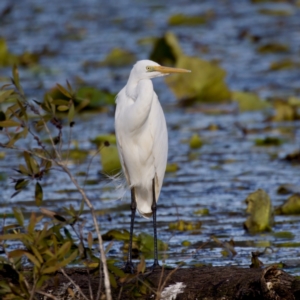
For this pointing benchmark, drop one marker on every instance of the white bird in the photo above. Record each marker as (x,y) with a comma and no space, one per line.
(142,141)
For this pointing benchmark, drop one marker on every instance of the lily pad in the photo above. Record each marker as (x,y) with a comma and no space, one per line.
(273,48)
(268,141)
(110,160)
(283,64)
(172,167)
(166,50)
(293,157)
(248,101)
(146,243)
(285,111)
(101,139)
(206,82)
(118,58)
(202,212)
(95,97)
(276,12)
(9,59)
(185,225)
(290,207)
(260,210)
(188,20)
(195,141)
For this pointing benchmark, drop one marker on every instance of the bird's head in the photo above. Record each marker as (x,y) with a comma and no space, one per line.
(147,69)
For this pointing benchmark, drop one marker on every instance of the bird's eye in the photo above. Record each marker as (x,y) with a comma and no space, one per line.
(148,68)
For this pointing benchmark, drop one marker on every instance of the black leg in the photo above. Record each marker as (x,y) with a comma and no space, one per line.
(155,264)
(129,268)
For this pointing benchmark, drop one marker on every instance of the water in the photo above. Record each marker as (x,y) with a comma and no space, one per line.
(221,174)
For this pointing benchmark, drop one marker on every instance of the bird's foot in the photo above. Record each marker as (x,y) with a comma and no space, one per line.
(129,267)
(155,265)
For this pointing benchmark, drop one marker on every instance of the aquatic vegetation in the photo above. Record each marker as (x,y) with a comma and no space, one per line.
(268,141)
(260,210)
(118,58)
(110,160)
(248,101)
(9,59)
(205,83)
(290,207)
(189,20)
(195,141)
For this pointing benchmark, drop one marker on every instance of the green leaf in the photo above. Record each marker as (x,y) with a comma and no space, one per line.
(37,254)
(27,160)
(69,259)
(23,170)
(32,223)
(61,102)
(38,194)
(64,249)
(51,269)
(21,183)
(63,90)
(62,108)
(9,123)
(12,236)
(18,215)
(16,253)
(16,79)
(5,94)
(112,280)
(71,113)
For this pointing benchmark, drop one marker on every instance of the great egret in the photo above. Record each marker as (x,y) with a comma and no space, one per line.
(142,141)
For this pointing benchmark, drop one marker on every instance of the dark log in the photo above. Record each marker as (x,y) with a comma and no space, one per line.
(207,283)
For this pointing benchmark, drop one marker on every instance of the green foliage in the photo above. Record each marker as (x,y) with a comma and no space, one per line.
(47,249)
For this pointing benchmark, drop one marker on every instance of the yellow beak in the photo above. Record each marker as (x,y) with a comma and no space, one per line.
(167,70)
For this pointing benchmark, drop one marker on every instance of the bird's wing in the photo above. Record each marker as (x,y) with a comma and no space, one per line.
(159,135)
(118,129)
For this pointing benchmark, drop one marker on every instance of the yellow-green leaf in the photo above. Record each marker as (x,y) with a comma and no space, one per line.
(62,108)
(38,194)
(63,90)
(64,249)
(9,123)
(11,236)
(16,79)
(18,215)
(71,113)
(5,94)
(37,254)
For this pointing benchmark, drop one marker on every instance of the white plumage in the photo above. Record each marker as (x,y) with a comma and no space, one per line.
(142,136)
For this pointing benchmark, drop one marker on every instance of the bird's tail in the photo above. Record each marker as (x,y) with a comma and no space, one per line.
(120,184)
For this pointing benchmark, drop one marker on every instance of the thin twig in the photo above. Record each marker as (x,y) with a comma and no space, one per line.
(73,282)
(101,246)
(47,295)
(100,282)
(90,287)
